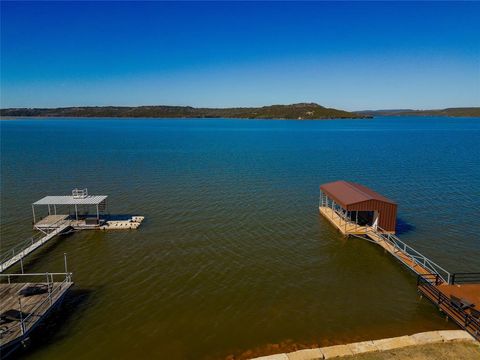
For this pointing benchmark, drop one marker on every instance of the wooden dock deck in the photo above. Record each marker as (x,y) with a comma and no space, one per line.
(24,305)
(345,227)
(460,302)
(469,292)
(51,222)
(403,257)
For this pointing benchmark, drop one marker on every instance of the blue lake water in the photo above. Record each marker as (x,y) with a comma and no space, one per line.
(233,257)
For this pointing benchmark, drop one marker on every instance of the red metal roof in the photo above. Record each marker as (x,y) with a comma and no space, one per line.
(347,193)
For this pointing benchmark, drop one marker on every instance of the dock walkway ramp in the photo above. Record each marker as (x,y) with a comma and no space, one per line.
(17,253)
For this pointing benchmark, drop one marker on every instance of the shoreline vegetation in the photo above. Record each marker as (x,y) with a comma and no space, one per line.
(301,111)
(450,112)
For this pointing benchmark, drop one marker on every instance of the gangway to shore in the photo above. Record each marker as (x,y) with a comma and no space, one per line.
(413,259)
(17,253)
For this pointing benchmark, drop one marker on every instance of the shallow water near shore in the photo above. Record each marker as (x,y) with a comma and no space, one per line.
(233,257)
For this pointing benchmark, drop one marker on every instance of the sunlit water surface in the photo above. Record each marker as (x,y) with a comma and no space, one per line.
(233,257)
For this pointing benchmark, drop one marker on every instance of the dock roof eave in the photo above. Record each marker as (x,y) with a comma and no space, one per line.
(347,193)
(70,200)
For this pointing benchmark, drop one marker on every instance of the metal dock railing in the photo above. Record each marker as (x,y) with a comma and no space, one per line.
(19,251)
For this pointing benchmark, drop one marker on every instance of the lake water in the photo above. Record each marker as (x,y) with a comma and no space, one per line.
(233,257)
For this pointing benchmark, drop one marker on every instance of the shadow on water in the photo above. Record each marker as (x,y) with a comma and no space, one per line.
(403,227)
(54,327)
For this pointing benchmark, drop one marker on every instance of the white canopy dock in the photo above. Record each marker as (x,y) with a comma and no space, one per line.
(60,220)
(78,198)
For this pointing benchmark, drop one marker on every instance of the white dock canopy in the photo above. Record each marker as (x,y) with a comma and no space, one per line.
(71,200)
(78,197)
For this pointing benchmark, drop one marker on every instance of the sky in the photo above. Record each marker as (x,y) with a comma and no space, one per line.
(347,55)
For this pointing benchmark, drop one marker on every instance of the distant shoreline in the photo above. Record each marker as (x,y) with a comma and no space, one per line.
(300,111)
(6,118)
(12,118)
(448,112)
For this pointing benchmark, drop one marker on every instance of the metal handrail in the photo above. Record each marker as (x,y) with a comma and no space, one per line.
(414,255)
(19,248)
(51,292)
(465,278)
(9,276)
(22,246)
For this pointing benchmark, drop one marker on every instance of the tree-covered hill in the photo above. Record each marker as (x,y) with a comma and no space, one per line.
(293,111)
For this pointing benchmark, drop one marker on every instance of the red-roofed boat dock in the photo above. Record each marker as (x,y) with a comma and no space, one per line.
(356,210)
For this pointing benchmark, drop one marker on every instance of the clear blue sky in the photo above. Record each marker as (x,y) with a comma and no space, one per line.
(347,55)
